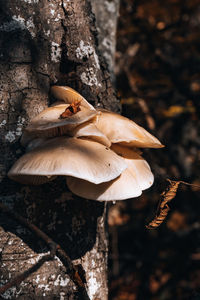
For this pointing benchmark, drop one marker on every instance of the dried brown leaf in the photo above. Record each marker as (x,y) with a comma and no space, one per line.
(163,208)
(72,109)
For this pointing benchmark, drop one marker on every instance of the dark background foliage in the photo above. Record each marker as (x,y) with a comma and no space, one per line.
(158,79)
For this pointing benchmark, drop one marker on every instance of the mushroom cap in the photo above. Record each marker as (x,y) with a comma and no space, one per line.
(137,163)
(124,131)
(129,184)
(34,143)
(32,179)
(70,157)
(69,95)
(48,122)
(89,130)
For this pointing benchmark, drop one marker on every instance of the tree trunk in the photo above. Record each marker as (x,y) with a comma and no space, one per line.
(44,43)
(106,13)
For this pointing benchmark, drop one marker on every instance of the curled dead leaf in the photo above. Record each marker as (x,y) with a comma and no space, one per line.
(163,208)
(167,196)
(72,109)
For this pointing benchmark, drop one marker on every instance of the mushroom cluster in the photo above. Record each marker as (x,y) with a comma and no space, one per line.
(97,150)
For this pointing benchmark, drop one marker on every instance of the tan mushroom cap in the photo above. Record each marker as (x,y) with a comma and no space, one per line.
(69,95)
(69,157)
(89,130)
(137,163)
(48,122)
(32,179)
(122,130)
(34,143)
(129,184)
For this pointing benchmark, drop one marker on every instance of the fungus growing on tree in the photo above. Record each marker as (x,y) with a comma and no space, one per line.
(121,130)
(94,149)
(64,156)
(133,180)
(89,130)
(68,95)
(54,121)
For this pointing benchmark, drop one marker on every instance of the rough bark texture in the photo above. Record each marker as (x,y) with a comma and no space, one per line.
(106,13)
(44,43)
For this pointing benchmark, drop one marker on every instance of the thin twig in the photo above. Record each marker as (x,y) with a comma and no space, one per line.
(29,225)
(19,278)
(54,249)
(195,185)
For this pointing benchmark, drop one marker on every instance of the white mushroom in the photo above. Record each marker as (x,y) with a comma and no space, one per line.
(90,131)
(124,131)
(49,122)
(69,95)
(133,180)
(93,170)
(69,157)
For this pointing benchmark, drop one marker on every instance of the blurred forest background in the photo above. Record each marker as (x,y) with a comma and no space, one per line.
(158,79)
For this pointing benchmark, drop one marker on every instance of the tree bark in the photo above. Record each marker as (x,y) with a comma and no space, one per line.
(106,13)
(45,43)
